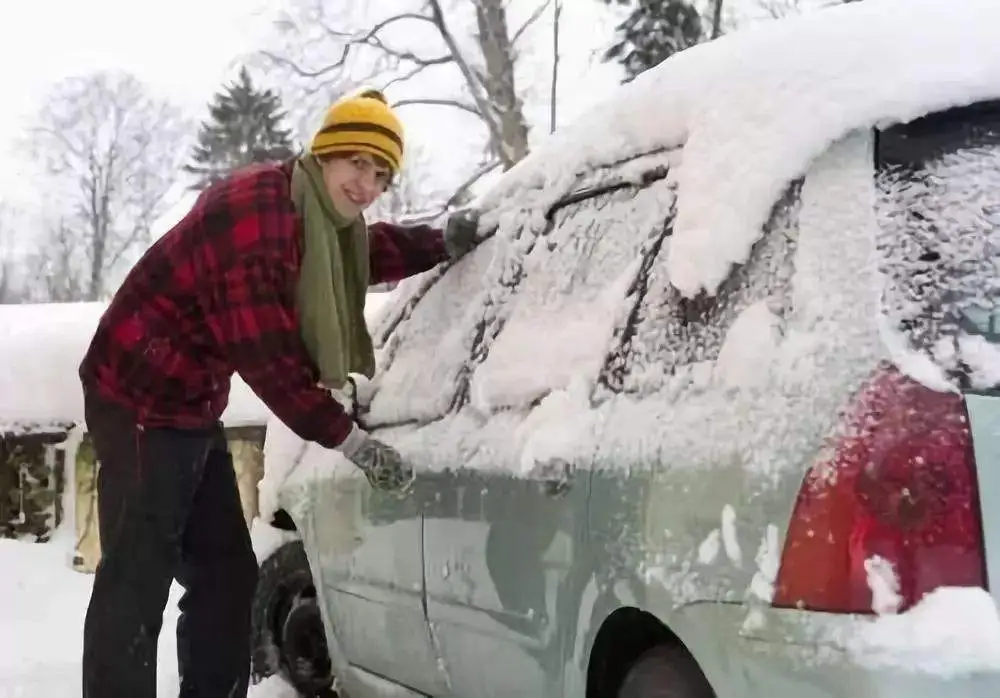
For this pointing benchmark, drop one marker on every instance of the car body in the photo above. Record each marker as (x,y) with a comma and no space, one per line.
(642,467)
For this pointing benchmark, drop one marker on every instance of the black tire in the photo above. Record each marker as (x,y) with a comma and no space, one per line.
(288,635)
(666,671)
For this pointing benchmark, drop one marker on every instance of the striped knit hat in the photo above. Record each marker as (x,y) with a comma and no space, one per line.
(361,121)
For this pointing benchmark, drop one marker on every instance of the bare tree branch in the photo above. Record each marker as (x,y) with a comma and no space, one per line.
(416,70)
(379,26)
(464,187)
(335,42)
(111,151)
(534,17)
(777,9)
(475,86)
(372,38)
(471,109)
(303,72)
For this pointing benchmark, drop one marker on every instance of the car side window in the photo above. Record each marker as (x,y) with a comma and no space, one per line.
(668,333)
(423,342)
(938,208)
(554,326)
(525,310)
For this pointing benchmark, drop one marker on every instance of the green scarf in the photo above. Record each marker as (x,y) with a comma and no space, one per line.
(333,281)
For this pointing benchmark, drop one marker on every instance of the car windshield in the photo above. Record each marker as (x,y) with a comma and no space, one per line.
(938,206)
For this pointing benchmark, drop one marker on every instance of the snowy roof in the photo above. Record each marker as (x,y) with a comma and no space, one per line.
(754,108)
(41,347)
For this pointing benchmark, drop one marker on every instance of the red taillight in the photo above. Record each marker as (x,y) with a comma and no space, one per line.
(899,484)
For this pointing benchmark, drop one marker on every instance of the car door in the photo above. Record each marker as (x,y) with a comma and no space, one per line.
(366,546)
(365,550)
(499,550)
(685,411)
(503,540)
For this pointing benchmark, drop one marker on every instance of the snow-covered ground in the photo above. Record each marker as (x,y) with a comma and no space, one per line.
(42,606)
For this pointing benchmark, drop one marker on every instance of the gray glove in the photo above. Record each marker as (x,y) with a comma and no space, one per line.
(461,233)
(381,463)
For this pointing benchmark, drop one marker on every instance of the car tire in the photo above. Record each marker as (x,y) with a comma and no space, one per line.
(288,636)
(666,671)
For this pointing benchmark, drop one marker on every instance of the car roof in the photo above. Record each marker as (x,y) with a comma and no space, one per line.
(753,109)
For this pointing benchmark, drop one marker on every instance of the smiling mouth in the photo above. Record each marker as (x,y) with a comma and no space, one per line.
(354,198)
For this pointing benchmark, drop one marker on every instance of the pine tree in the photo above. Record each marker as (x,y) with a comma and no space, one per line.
(244,127)
(655,30)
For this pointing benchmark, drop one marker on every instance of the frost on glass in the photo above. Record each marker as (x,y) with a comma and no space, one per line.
(444,323)
(516,392)
(676,336)
(559,323)
(939,253)
(427,338)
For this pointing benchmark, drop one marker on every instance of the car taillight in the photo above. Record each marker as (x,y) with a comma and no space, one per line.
(897,489)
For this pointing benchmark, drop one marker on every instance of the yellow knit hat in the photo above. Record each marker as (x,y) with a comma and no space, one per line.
(361,121)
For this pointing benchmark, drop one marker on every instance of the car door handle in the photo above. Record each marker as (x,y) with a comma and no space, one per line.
(558,480)
(557,488)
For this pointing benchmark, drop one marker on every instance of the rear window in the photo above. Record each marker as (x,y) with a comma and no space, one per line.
(938,208)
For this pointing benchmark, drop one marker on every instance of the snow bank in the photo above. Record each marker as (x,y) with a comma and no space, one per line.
(951,631)
(43,603)
(754,108)
(40,352)
(41,346)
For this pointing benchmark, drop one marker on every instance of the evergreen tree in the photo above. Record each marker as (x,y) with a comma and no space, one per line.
(655,30)
(244,127)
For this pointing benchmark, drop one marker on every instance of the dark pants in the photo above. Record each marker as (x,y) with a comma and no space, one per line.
(169,509)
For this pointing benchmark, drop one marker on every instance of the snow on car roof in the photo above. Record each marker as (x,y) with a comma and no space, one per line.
(41,348)
(754,108)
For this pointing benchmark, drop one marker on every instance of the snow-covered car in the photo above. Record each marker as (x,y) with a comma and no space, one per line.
(714,412)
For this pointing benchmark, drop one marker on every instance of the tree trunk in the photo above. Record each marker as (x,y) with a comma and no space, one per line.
(717,19)
(554,94)
(498,55)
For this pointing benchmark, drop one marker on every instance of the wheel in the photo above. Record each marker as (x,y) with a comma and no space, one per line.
(288,634)
(666,671)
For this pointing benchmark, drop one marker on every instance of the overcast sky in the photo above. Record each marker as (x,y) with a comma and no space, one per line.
(185,49)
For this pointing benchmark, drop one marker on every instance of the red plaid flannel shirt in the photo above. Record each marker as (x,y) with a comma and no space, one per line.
(216,295)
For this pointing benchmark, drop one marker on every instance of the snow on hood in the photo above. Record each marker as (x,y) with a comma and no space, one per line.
(754,108)
(41,346)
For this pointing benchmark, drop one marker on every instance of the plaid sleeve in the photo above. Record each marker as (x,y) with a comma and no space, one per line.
(260,334)
(400,251)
